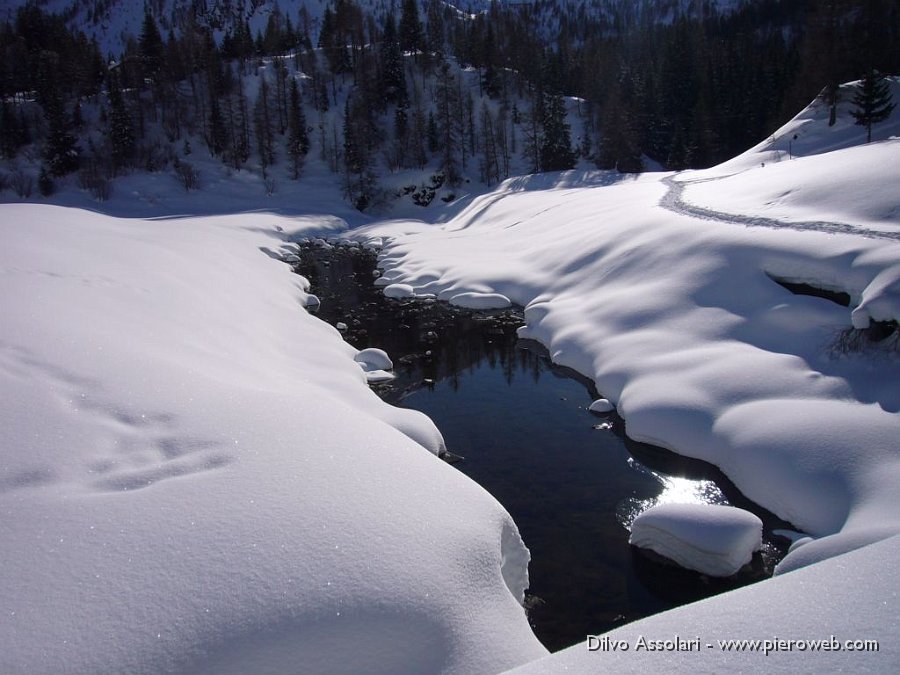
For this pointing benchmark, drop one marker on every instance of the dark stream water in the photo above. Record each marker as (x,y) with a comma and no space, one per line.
(571,480)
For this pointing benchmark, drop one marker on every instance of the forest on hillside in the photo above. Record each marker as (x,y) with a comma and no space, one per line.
(380,91)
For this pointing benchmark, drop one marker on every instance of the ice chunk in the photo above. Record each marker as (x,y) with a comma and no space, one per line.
(601,405)
(476,300)
(372,359)
(712,539)
(399,291)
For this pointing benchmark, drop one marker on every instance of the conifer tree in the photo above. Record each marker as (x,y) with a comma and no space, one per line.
(61,152)
(359,177)
(298,137)
(410,37)
(393,80)
(120,130)
(448,124)
(872,101)
(556,141)
(150,46)
(262,121)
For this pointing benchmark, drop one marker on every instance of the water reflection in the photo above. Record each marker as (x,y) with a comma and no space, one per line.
(673,490)
(572,481)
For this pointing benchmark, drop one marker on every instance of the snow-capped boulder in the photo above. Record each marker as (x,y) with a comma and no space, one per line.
(712,539)
(399,291)
(373,359)
(601,405)
(476,300)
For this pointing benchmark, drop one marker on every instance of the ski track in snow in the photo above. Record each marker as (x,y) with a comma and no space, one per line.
(674,201)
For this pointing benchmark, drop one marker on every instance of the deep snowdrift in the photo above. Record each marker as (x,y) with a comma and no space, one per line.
(196,477)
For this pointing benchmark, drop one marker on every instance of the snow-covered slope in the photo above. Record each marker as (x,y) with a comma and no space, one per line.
(837,616)
(195,476)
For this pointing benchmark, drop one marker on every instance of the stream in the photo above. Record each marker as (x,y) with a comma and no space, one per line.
(572,480)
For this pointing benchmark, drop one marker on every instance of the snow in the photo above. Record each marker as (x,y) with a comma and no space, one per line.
(661,289)
(711,539)
(849,598)
(476,300)
(399,291)
(601,405)
(373,358)
(196,477)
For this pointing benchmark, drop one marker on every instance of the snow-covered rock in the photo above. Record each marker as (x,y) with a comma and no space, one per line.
(477,300)
(601,405)
(373,358)
(712,539)
(399,291)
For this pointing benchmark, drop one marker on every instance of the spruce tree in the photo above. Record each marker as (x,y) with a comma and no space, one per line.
(872,101)
(265,136)
(298,138)
(120,130)
(556,142)
(150,46)
(392,78)
(448,124)
(410,27)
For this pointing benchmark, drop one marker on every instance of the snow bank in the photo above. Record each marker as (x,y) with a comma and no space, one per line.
(715,540)
(679,323)
(196,478)
(838,603)
(669,304)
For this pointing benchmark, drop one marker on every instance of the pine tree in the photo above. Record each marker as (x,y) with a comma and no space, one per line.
(150,46)
(410,27)
(45,182)
(217,134)
(298,137)
(556,142)
(448,124)
(872,101)
(392,78)
(120,130)
(61,152)
(359,177)
(11,133)
(262,120)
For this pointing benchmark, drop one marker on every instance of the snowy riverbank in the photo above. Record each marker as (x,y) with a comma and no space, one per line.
(197,478)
